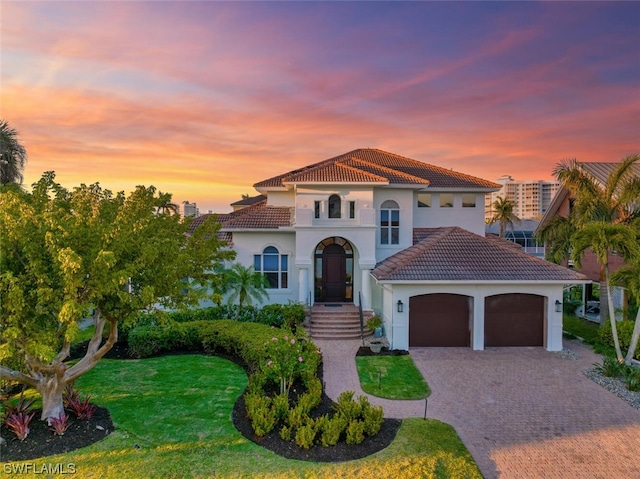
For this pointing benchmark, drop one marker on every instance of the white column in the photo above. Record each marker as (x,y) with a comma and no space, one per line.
(366,289)
(478,321)
(303,285)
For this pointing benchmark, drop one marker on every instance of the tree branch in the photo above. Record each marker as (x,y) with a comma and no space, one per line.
(94,351)
(11,375)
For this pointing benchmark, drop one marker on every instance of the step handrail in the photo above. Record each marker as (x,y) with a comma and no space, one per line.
(361,316)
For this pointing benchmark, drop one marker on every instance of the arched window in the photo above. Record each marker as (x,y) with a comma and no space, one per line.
(335,206)
(274,266)
(389,222)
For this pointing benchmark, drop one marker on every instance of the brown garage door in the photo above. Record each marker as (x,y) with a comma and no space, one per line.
(439,320)
(514,320)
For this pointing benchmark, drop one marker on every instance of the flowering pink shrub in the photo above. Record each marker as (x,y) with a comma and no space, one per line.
(285,360)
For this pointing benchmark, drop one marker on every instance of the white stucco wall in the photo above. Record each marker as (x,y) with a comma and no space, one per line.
(246,244)
(400,321)
(404,198)
(471,219)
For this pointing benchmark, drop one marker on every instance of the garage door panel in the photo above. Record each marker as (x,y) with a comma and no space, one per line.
(514,320)
(439,320)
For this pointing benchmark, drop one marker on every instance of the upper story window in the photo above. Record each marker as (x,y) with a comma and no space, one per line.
(316,209)
(273,266)
(352,209)
(389,223)
(335,206)
(468,200)
(446,200)
(424,200)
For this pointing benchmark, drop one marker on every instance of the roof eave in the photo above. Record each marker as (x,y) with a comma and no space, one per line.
(481,281)
(336,183)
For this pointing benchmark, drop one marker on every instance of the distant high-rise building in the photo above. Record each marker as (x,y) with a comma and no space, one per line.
(190,209)
(531,197)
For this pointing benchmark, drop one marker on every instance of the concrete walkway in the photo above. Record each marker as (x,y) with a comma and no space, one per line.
(521,412)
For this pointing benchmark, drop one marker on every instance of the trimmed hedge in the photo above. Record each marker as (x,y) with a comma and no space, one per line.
(625,329)
(245,341)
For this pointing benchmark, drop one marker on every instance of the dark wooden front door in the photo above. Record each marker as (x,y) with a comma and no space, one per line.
(334,262)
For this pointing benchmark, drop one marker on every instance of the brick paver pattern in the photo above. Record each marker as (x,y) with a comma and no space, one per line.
(522,412)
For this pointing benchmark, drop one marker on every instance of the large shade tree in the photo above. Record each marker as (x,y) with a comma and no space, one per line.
(87,253)
(13,155)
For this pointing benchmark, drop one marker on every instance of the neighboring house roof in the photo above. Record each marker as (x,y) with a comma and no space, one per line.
(372,165)
(600,172)
(250,201)
(524,225)
(455,254)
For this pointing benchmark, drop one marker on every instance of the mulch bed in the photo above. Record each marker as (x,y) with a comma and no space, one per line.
(339,453)
(42,442)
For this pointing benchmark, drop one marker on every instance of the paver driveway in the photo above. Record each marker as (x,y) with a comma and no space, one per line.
(521,412)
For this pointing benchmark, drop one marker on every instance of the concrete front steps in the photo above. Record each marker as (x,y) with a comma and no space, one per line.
(336,321)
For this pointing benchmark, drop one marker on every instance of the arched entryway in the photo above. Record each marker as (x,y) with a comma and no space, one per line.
(334,270)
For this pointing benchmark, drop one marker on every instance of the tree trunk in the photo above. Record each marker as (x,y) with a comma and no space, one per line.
(612,315)
(604,297)
(634,339)
(51,389)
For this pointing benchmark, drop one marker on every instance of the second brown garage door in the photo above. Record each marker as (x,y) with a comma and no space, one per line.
(439,320)
(514,320)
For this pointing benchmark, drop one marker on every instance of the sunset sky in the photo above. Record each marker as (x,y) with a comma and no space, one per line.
(204,99)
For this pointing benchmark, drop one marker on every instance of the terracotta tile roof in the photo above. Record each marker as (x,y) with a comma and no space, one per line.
(393,168)
(250,201)
(260,216)
(334,173)
(454,254)
(222,235)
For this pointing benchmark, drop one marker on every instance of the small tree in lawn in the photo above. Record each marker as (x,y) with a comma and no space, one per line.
(245,284)
(67,255)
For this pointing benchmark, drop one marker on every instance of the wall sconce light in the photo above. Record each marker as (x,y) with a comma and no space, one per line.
(400,306)
(558,306)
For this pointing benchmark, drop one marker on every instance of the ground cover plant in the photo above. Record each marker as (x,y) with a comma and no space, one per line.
(178,425)
(391,377)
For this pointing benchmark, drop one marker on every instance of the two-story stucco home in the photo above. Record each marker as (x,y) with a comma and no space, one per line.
(405,239)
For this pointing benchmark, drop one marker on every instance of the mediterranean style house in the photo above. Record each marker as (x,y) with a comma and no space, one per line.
(404,239)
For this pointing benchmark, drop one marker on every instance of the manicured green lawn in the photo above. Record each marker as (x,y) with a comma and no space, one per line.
(391,377)
(177,410)
(587,330)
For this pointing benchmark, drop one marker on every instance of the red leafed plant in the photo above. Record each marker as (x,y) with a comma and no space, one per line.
(69,395)
(23,406)
(59,424)
(19,423)
(83,409)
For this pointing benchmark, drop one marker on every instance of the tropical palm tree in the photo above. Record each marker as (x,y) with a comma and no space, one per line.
(246,285)
(615,202)
(602,237)
(165,205)
(13,156)
(503,213)
(629,277)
